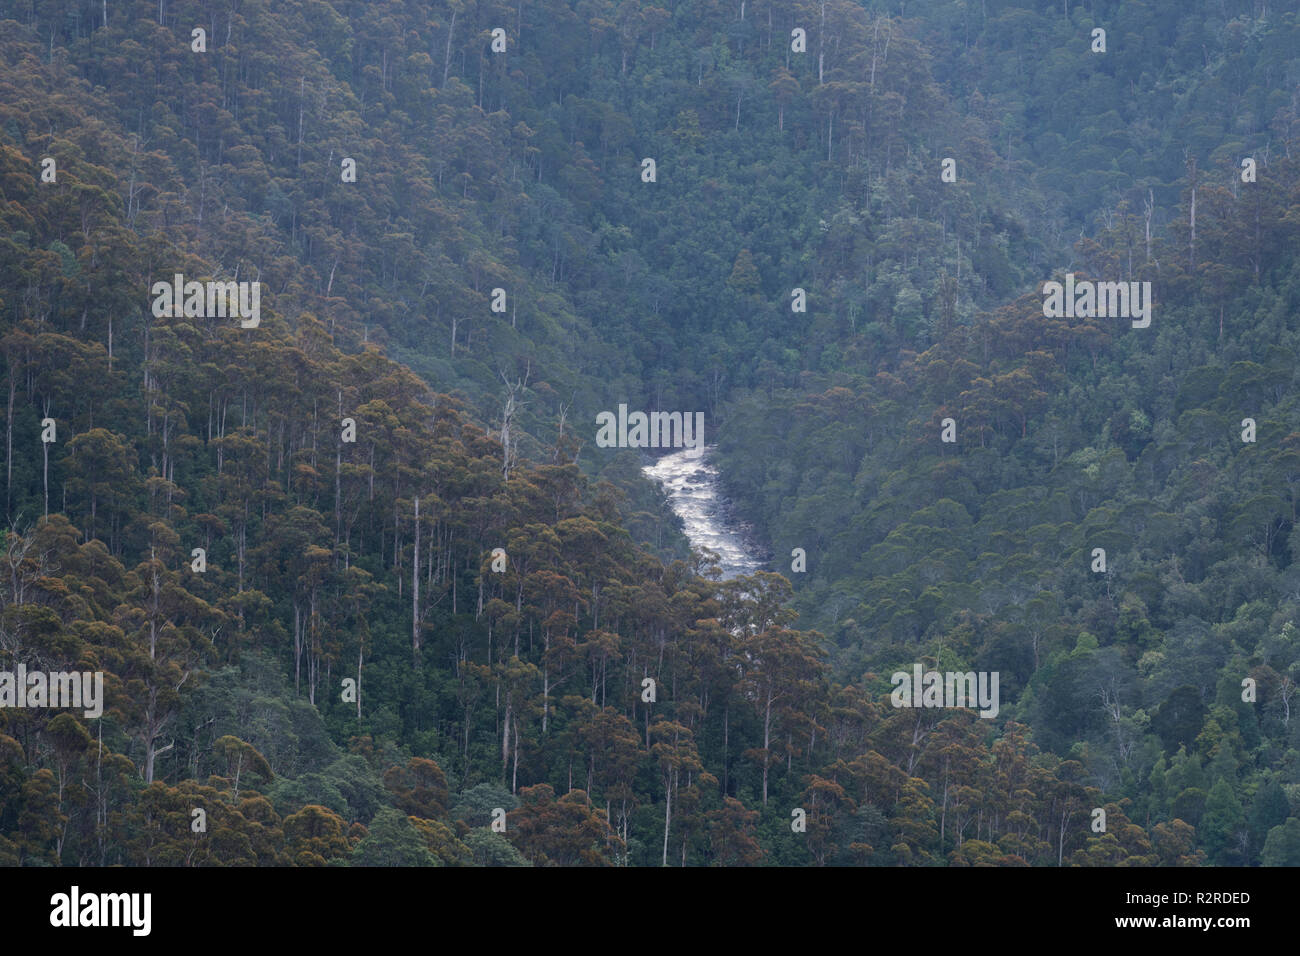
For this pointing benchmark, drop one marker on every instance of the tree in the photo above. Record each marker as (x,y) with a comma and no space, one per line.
(1282,847)
(1270,808)
(492,849)
(1178,720)
(784,88)
(1222,828)
(780,667)
(561,832)
(315,835)
(732,835)
(419,789)
(240,757)
(391,840)
(101,469)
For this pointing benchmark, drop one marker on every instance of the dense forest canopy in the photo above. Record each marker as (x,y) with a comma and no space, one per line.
(362,585)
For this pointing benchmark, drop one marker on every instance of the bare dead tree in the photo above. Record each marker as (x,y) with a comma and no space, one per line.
(509,409)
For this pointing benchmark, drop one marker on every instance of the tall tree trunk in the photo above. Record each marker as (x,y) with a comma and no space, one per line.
(415,587)
(514,778)
(446,60)
(821,42)
(505,737)
(668,812)
(767,740)
(726,745)
(45,474)
(313,656)
(9,440)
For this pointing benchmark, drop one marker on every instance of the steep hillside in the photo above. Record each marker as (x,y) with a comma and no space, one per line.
(362,587)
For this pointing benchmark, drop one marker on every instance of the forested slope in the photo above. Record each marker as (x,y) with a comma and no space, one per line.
(355,677)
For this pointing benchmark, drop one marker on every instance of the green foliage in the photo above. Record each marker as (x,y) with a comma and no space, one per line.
(522,690)
(1282,848)
(392,841)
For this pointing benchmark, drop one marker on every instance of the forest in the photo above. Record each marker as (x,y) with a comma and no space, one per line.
(366,589)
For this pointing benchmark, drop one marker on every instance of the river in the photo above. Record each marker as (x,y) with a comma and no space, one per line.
(694,492)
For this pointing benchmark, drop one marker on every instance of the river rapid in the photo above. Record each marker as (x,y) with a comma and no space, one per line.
(694,492)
